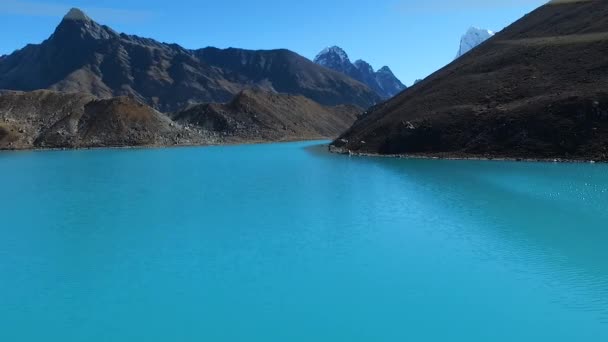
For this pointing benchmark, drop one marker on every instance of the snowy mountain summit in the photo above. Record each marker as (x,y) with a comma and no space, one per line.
(472,38)
(336,59)
(333,53)
(383,81)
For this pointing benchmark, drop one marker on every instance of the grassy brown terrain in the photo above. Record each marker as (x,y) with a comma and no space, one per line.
(47,119)
(255,115)
(538,89)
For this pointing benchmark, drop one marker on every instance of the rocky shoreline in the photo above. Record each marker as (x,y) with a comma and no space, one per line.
(451,156)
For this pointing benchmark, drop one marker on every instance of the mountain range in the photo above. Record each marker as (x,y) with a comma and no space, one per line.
(383,81)
(84,56)
(536,89)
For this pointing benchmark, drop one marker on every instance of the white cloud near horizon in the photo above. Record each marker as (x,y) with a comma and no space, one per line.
(40,9)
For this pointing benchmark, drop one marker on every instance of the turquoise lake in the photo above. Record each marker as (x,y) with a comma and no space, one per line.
(285,242)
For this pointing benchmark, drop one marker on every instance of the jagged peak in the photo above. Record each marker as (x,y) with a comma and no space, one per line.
(77,24)
(334,50)
(362,65)
(361,62)
(77,15)
(385,70)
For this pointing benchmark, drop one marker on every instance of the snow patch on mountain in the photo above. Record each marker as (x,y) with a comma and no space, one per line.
(330,54)
(472,38)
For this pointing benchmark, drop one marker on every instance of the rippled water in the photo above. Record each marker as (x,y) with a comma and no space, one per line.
(287,243)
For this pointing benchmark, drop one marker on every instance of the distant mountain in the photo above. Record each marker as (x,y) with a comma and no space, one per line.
(535,90)
(472,38)
(382,82)
(336,59)
(284,71)
(84,56)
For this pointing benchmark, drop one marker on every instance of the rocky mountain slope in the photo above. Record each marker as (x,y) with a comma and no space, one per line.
(383,81)
(473,38)
(537,89)
(48,119)
(84,56)
(254,115)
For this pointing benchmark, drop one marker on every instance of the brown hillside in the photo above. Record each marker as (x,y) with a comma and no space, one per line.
(257,115)
(538,89)
(46,119)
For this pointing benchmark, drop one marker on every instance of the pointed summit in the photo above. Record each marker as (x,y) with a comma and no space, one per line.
(383,82)
(334,52)
(335,58)
(364,67)
(388,81)
(76,14)
(76,25)
(385,70)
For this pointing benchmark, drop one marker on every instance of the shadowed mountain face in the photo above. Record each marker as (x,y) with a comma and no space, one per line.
(84,56)
(284,71)
(536,89)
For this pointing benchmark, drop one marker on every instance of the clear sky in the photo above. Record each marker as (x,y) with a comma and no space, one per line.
(413,37)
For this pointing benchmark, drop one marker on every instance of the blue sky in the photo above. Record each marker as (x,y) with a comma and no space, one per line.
(413,37)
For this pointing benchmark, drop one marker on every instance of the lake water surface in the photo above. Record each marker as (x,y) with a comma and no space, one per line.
(285,242)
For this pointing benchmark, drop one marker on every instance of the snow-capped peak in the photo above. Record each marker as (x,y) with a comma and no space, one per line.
(332,52)
(472,39)
(383,82)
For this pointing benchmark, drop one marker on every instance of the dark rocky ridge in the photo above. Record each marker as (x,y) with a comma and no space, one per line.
(535,90)
(284,71)
(84,56)
(48,119)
